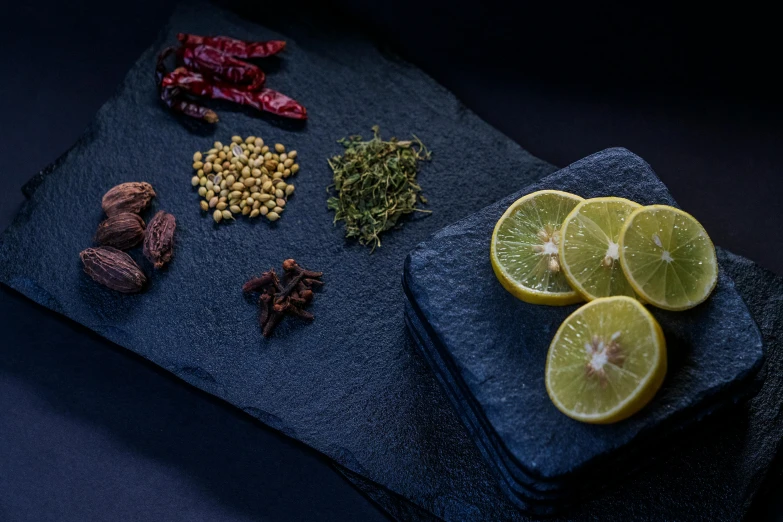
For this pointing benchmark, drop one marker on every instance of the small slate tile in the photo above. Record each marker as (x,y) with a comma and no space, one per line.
(496,345)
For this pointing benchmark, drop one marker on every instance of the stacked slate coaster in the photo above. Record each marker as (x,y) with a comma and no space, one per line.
(488,350)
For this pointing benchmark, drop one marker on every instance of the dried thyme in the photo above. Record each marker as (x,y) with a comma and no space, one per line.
(375,184)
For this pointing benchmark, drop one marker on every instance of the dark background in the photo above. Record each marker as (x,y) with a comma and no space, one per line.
(91,432)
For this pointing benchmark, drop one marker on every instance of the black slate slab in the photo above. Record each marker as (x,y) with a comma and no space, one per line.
(493,349)
(365,398)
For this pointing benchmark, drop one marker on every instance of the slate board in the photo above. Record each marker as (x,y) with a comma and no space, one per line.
(490,350)
(351,384)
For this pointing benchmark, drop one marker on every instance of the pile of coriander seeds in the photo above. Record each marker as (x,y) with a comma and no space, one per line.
(245,177)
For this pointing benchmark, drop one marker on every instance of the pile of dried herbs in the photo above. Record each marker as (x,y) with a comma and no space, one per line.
(375,184)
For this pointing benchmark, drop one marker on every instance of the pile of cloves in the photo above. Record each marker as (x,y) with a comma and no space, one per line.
(124,229)
(278,299)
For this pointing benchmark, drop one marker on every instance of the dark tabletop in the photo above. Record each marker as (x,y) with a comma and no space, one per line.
(90,432)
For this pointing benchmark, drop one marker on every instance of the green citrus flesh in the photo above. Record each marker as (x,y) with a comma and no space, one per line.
(668,257)
(590,247)
(606,361)
(525,248)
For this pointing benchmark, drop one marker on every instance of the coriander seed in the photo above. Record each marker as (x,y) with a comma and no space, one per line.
(244,177)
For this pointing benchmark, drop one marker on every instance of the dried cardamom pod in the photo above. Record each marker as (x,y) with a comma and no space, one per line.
(127,197)
(121,231)
(113,268)
(159,239)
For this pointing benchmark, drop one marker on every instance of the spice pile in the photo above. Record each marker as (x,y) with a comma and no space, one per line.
(375,182)
(124,229)
(211,67)
(245,177)
(278,300)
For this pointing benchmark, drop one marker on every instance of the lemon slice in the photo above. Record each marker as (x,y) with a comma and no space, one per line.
(668,257)
(525,248)
(606,361)
(590,247)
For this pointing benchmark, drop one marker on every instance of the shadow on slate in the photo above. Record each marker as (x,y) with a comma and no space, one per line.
(350,385)
(490,352)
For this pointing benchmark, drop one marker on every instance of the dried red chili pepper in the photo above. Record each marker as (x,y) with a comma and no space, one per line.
(173,97)
(214,64)
(265,100)
(234,47)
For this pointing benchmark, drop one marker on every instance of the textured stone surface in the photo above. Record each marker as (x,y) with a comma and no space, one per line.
(495,347)
(320,383)
(351,384)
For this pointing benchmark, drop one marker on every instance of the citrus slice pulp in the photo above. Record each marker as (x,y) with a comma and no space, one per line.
(525,248)
(606,361)
(668,258)
(590,247)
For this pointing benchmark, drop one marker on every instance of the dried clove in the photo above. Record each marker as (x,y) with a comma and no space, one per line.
(113,268)
(159,239)
(122,231)
(258,284)
(127,197)
(278,300)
